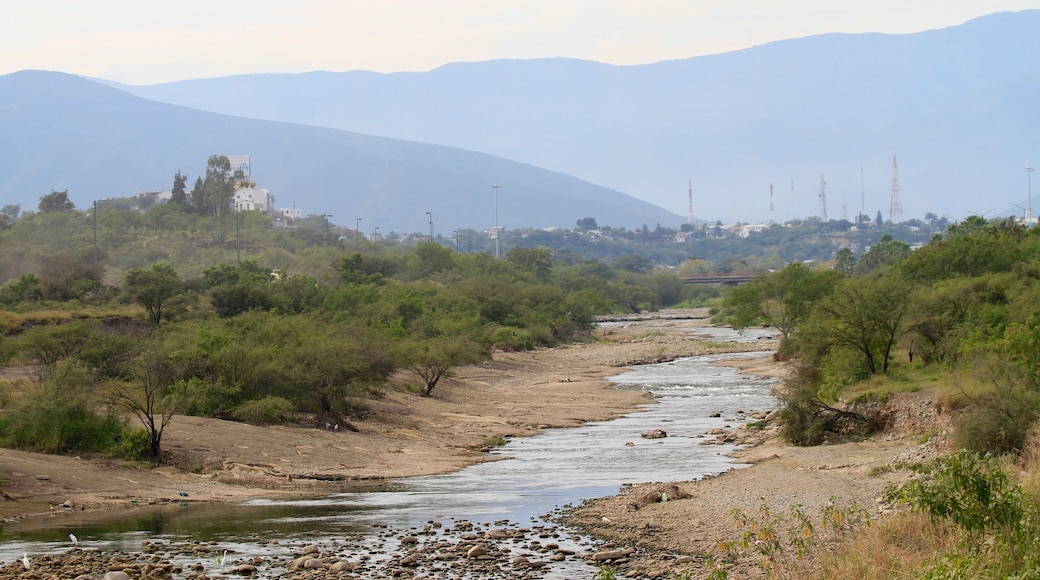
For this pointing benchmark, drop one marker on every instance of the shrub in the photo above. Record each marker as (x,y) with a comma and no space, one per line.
(509,338)
(266,411)
(134,444)
(1001,524)
(50,424)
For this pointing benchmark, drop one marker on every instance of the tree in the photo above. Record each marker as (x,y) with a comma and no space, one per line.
(783,299)
(845,262)
(148,395)
(864,314)
(588,223)
(219,186)
(198,195)
(69,275)
(178,194)
(11,210)
(153,288)
(633,263)
(886,252)
(344,361)
(432,358)
(56,201)
(536,261)
(432,258)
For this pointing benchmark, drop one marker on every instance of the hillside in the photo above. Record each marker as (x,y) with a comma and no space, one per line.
(60,132)
(953,105)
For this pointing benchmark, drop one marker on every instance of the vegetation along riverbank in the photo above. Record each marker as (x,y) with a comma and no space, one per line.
(909,398)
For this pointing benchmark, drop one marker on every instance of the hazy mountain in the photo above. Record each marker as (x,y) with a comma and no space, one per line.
(957,107)
(64,132)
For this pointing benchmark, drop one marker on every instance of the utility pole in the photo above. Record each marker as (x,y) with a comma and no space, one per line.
(1029,184)
(496,186)
(95,237)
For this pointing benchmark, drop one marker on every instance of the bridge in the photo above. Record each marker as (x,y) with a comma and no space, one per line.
(728,279)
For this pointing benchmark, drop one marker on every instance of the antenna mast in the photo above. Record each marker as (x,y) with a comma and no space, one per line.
(771,204)
(862,198)
(823,198)
(895,211)
(689,218)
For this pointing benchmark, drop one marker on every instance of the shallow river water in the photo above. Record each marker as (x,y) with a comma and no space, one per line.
(536,476)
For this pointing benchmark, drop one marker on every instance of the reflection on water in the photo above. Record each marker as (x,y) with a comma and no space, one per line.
(536,476)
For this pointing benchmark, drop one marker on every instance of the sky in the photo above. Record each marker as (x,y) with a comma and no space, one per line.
(145,41)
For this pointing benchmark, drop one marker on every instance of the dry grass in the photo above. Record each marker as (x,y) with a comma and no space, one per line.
(900,546)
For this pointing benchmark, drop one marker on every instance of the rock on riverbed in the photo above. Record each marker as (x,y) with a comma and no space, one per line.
(459,549)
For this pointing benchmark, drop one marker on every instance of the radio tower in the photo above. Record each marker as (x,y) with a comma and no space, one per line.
(689,218)
(823,199)
(895,211)
(771,204)
(862,199)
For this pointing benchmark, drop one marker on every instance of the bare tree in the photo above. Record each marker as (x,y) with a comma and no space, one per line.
(148,396)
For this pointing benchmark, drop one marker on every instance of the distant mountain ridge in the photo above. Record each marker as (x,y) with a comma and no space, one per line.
(953,105)
(59,131)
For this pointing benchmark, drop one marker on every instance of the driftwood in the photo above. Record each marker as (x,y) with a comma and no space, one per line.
(658,494)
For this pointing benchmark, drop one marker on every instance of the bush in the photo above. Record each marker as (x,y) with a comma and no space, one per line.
(266,411)
(134,444)
(509,338)
(50,424)
(1001,524)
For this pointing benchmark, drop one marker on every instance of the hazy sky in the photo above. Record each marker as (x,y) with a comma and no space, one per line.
(146,41)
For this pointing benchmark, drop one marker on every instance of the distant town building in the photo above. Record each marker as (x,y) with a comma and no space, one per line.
(251,198)
(745,230)
(241,163)
(291,213)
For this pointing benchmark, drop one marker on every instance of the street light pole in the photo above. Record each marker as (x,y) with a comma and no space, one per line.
(496,187)
(357,232)
(1029,184)
(95,237)
(238,233)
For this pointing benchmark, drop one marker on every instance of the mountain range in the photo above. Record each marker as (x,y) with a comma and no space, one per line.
(956,107)
(58,131)
(794,128)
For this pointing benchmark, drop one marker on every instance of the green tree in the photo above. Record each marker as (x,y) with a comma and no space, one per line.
(845,262)
(865,315)
(633,263)
(433,357)
(783,299)
(337,363)
(587,223)
(56,201)
(536,261)
(219,186)
(179,195)
(198,195)
(886,252)
(154,289)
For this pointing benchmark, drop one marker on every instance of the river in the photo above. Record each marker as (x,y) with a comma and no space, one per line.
(535,477)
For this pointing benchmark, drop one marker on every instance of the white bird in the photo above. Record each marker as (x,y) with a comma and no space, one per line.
(25,561)
(73,539)
(221,559)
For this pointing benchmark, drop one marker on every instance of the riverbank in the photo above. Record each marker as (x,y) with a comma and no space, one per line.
(402,435)
(516,394)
